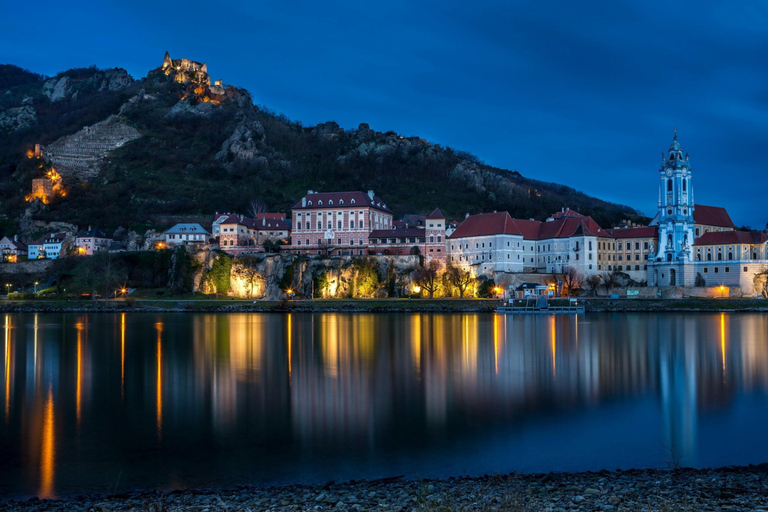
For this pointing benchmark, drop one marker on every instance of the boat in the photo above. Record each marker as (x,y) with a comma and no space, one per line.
(533,305)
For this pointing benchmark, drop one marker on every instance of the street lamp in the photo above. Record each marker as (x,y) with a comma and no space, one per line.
(722,291)
(8,289)
(36,283)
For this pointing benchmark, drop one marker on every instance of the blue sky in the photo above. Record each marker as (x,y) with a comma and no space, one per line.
(580,93)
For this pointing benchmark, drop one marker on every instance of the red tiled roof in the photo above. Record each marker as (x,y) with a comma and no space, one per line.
(569,226)
(323,199)
(268,215)
(731,237)
(502,223)
(397,233)
(566,213)
(486,224)
(643,232)
(266,223)
(712,216)
(228,218)
(437,214)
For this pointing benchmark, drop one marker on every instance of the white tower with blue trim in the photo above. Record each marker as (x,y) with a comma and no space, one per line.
(674,258)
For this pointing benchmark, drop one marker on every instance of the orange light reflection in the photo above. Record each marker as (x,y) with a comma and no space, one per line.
(48,450)
(159,396)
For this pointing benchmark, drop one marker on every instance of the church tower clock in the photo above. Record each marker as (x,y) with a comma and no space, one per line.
(675,215)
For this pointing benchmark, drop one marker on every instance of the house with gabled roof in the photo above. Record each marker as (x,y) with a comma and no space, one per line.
(92,241)
(186,234)
(12,250)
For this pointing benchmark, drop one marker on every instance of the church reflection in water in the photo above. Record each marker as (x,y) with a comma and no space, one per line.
(78,389)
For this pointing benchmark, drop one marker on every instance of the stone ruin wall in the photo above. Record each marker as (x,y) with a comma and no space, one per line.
(78,157)
(42,188)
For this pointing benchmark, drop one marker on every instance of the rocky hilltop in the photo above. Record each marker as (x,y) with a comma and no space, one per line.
(132,152)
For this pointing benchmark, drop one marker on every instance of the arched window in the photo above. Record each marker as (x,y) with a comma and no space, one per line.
(685,188)
(669,185)
(730,255)
(709,256)
(352,201)
(697,232)
(698,257)
(320,202)
(341,201)
(330,201)
(719,256)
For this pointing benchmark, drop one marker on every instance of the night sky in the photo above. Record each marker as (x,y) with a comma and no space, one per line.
(584,96)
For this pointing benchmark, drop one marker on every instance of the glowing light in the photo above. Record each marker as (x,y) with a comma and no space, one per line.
(81,250)
(416,289)
(48,450)
(496,343)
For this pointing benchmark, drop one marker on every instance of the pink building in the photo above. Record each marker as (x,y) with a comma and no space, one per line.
(429,238)
(92,241)
(337,222)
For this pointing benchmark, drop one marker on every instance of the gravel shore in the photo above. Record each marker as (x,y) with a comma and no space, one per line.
(741,488)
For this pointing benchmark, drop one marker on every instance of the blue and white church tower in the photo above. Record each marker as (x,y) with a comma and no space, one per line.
(672,264)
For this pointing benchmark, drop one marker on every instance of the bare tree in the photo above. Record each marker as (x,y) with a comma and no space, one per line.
(593,282)
(256,207)
(572,280)
(252,278)
(427,277)
(459,278)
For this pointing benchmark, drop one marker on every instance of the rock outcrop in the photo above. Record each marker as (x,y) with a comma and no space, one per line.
(63,87)
(17,118)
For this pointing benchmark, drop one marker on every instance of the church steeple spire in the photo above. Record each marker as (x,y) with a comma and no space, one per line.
(675,204)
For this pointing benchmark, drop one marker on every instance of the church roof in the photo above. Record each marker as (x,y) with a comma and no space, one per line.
(732,237)
(712,216)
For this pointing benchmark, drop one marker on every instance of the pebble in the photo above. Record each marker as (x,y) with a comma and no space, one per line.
(707,490)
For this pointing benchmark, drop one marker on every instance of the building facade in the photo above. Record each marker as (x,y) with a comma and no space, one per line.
(186,234)
(92,241)
(337,222)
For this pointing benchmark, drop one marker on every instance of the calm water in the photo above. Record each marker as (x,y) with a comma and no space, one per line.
(94,403)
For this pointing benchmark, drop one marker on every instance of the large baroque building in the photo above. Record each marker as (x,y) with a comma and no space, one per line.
(337,223)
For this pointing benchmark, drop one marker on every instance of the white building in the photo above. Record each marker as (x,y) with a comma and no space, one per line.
(186,234)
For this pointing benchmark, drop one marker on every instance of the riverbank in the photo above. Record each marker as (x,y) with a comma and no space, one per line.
(738,488)
(211,305)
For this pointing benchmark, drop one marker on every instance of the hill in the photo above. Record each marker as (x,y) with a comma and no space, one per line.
(134,152)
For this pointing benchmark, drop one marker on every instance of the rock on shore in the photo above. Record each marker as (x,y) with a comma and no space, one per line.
(737,489)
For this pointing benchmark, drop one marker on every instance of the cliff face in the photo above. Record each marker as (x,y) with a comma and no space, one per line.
(264,277)
(173,144)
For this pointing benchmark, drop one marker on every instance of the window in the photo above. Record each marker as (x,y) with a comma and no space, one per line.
(330,201)
(320,202)
(590,245)
(319,225)
(352,224)
(645,245)
(619,248)
(745,269)
(352,201)
(637,246)
(706,270)
(727,269)
(341,201)
(717,269)
(669,185)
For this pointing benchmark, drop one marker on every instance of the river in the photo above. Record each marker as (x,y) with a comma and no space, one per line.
(116,402)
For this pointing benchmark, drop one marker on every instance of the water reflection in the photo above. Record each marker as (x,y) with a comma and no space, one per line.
(301,396)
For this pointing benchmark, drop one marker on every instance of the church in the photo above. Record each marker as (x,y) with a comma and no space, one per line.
(698,245)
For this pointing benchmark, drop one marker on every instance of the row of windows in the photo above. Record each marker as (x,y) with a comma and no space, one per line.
(320,242)
(339,225)
(308,214)
(628,268)
(755,256)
